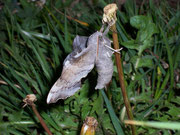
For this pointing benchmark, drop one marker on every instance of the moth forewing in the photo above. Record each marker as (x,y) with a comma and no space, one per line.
(75,67)
(58,92)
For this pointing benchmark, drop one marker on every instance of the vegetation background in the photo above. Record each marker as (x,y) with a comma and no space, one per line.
(35,38)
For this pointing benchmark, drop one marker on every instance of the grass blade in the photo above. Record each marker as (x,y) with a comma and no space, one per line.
(155,124)
(114,118)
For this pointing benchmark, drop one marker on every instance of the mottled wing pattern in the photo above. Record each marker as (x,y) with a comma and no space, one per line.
(79,63)
(104,64)
(76,66)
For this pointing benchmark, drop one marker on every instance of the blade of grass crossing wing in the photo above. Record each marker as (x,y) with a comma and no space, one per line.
(114,118)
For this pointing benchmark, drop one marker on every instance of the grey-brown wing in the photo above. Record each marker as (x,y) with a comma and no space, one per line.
(79,44)
(75,68)
(104,64)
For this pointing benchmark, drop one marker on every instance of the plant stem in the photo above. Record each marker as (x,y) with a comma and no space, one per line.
(40,119)
(121,78)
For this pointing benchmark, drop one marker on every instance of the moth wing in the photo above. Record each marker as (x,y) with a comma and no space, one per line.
(104,73)
(80,43)
(62,92)
(75,68)
(79,48)
(104,58)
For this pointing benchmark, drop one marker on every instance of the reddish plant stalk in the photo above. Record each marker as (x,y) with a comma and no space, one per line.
(121,78)
(40,119)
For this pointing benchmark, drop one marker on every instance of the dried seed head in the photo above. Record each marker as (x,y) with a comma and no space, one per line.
(109,15)
(29,100)
(91,121)
(89,126)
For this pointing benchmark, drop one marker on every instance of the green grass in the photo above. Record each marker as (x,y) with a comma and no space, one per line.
(34,42)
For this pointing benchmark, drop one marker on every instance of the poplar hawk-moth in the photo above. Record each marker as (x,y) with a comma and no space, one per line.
(87,53)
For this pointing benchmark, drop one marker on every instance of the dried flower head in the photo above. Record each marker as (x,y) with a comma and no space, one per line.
(109,15)
(89,126)
(29,100)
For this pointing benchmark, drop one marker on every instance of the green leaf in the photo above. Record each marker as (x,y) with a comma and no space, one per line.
(106,121)
(146,29)
(139,21)
(131,44)
(98,105)
(85,111)
(147,32)
(145,61)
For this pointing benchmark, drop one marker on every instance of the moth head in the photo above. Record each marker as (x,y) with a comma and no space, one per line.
(105,40)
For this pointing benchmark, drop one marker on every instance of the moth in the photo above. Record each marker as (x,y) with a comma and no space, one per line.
(87,52)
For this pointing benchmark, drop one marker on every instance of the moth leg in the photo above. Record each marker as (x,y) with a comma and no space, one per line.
(114,50)
(119,49)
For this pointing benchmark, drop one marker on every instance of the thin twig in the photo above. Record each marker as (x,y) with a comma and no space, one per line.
(71,18)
